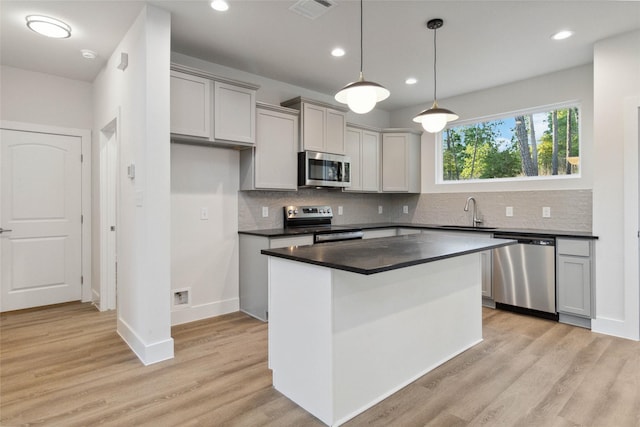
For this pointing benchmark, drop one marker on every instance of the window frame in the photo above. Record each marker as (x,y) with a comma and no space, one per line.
(439,139)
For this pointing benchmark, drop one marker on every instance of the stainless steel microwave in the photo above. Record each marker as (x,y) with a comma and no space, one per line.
(317,169)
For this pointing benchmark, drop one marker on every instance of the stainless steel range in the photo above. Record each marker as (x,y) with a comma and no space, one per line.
(316,220)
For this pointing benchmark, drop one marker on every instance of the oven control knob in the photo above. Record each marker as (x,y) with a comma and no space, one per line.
(328,210)
(290,211)
(296,212)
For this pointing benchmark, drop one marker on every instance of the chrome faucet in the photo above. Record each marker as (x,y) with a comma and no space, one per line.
(476,220)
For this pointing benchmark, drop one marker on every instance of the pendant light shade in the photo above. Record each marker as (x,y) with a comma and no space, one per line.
(435,119)
(361,96)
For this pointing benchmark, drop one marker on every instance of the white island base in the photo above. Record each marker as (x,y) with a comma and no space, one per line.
(340,342)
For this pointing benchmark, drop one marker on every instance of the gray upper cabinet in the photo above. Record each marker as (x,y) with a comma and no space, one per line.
(211,110)
(234,113)
(574,277)
(190,105)
(401,161)
(272,163)
(363,147)
(322,126)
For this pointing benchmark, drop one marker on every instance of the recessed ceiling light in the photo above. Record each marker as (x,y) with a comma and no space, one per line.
(48,26)
(411,81)
(337,52)
(220,5)
(88,54)
(561,35)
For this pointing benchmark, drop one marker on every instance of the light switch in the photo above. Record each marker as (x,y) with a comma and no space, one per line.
(509,211)
(340,210)
(546,212)
(265,211)
(380,209)
(405,209)
(204,214)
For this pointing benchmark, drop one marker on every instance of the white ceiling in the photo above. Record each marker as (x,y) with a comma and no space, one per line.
(482,43)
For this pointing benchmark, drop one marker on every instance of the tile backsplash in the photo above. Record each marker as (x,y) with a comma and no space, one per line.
(571,210)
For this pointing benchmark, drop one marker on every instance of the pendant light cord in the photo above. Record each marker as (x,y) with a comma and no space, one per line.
(361,44)
(435,70)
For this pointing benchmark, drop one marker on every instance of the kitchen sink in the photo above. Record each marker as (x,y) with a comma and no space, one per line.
(466,227)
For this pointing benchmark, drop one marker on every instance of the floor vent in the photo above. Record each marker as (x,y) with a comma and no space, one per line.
(181,297)
(312,8)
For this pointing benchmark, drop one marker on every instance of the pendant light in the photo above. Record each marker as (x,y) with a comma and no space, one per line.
(362,96)
(435,118)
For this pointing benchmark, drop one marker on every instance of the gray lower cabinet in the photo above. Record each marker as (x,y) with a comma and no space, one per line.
(379,232)
(574,278)
(254,289)
(486,262)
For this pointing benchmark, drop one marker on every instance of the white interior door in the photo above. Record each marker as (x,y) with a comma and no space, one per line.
(41,255)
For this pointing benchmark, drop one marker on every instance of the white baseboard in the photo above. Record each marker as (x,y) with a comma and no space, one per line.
(615,327)
(204,311)
(147,353)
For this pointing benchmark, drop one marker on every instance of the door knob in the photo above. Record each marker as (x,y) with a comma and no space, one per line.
(3,230)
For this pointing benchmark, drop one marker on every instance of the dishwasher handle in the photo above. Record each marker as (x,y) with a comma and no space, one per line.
(528,240)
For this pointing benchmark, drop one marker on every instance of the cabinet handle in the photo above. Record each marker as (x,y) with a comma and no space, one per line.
(4,230)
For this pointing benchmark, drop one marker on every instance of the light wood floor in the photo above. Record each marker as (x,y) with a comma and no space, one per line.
(66,366)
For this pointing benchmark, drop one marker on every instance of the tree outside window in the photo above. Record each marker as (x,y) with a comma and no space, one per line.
(522,146)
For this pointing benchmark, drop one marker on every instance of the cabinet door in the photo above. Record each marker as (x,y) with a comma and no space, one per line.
(335,131)
(190,105)
(276,159)
(370,161)
(284,242)
(235,113)
(395,155)
(486,257)
(313,127)
(487,278)
(354,151)
(381,232)
(574,285)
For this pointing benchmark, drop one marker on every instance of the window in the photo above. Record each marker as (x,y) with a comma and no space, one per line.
(523,146)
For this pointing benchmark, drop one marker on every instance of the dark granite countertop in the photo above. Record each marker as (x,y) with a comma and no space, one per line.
(283,232)
(378,255)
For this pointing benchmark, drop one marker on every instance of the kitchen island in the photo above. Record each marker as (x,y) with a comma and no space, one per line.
(350,323)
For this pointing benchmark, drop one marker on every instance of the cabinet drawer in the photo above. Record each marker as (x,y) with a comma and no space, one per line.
(291,241)
(573,247)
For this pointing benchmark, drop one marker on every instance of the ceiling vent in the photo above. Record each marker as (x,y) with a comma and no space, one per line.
(312,8)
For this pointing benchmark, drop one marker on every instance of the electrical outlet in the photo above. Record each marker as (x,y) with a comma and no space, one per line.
(380,209)
(509,211)
(265,212)
(546,212)
(340,210)
(405,209)
(204,214)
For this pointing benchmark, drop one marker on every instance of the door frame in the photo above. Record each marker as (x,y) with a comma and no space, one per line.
(85,196)
(631,209)
(109,158)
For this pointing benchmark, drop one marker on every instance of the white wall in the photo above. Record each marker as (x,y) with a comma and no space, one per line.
(615,215)
(31,97)
(204,253)
(141,94)
(575,84)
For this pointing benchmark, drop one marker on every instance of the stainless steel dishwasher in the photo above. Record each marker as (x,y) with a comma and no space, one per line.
(524,275)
